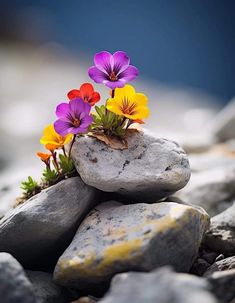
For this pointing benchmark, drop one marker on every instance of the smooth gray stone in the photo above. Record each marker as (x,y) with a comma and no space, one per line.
(211,189)
(223,285)
(224,123)
(160,286)
(150,169)
(116,238)
(45,224)
(45,289)
(15,286)
(221,235)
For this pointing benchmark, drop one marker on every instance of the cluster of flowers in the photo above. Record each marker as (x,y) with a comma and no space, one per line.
(123,108)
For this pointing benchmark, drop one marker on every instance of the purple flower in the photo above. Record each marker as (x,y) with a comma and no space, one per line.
(112,70)
(74,117)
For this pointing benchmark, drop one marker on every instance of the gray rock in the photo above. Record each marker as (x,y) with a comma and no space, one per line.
(221,235)
(224,123)
(223,285)
(45,289)
(14,284)
(150,169)
(212,160)
(221,265)
(116,238)
(160,286)
(46,223)
(212,189)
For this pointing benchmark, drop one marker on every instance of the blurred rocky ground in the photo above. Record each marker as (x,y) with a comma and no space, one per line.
(33,80)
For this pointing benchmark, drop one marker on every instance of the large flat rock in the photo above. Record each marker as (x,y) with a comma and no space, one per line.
(116,238)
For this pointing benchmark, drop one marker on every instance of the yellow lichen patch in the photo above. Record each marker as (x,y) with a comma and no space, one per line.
(120,251)
(89,266)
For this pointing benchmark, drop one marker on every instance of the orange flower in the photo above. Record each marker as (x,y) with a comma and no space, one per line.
(43,156)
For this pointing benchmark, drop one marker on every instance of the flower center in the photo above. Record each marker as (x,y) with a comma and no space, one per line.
(76,122)
(128,108)
(113,77)
(86,98)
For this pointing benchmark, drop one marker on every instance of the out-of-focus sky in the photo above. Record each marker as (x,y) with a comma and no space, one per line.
(176,42)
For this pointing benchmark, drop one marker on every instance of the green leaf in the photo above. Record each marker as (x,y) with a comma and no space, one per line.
(99,111)
(30,186)
(49,175)
(66,164)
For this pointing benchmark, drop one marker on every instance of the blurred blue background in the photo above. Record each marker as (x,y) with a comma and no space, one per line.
(189,43)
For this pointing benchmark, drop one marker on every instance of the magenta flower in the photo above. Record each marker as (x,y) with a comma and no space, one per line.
(74,117)
(112,70)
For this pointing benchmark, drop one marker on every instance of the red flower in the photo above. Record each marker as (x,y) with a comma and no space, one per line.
(86,92)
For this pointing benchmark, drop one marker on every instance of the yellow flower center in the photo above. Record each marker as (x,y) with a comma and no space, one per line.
(113,77)
(76,122)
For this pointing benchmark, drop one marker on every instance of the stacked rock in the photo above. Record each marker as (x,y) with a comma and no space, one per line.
(116,217)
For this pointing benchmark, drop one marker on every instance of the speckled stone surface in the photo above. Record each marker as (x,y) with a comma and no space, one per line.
(115,238)
(150,169)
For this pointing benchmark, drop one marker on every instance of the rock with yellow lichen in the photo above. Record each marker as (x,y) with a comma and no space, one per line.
(116,238)
(149,170)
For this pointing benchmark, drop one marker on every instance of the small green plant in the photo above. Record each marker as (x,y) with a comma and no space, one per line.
(30,187)
(66,164)
(108,122)
(49,176)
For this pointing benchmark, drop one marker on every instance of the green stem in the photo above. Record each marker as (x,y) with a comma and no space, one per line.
(70,149)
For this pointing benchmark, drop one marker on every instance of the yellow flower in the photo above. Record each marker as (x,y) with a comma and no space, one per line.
(128,103)
(52,140)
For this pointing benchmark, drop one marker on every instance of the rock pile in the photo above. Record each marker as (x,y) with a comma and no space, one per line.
(119,224)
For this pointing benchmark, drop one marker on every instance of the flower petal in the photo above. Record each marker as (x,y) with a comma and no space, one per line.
(140,99)
(97,75)
(78,130)
(114,84)
(95,98)
(76,107)
(86,121)
(62,127)
(127,91)
(74,93)
(86,91)
(114,105)
(62,110)
(104,61)
(129,74)
(121,62)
